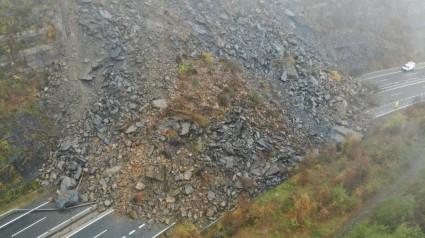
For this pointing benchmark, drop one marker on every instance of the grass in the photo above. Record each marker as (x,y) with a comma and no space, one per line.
(22,196)
(329,188)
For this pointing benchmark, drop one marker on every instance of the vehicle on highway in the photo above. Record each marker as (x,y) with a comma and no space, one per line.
(409,66)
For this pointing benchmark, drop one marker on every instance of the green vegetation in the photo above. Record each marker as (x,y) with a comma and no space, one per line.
(336,76)
(329,188)
(22,196)
(185,230)
(207,57)
(23,129)
(183,68)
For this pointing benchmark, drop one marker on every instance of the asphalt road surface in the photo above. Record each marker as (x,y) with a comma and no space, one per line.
(394,85)
(36,224)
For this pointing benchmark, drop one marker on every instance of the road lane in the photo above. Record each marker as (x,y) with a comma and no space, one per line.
(407,88)
(406,96)
(395,77)
(110,225)
(51,219)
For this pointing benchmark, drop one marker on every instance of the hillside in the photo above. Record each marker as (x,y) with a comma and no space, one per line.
(359,35)
(166,110)
(368,187)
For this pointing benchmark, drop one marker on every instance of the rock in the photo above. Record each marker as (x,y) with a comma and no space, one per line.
(289,13)
(103,183)
(105,14)
(160,103)
(210,195)
(272,170)
(140,186)
(242,20)
(154,172)
(78,172)
(188,189)
(170,200)
(131,129)
(65,145)
(284,76)
(66,199)
(92,197)
(93,170)
(291,71)
(187,175)
(210,212)
(185,129)
(60,165)
(107,203)
(111,171)
(264,144)
(67,183)
(247,182)
(228,161)
(53,176)
(84,197)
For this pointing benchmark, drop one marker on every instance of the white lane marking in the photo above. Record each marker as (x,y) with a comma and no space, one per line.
(383,114)
(403,86)
(105,214)
(398,72)
(42,235)
(131,232)
(28,226)
(141,226)
(70,219)
(19,217)
(166,228)
(100,233)
(396,94)
(382,80)
(401,82)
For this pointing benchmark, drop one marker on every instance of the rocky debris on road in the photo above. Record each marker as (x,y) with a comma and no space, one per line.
(66,199)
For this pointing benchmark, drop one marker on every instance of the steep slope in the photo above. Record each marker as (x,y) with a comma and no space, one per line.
(236,125)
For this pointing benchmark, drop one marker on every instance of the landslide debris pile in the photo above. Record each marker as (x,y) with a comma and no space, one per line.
(153,125)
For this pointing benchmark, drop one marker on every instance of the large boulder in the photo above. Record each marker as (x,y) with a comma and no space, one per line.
(67,183)
(66,199)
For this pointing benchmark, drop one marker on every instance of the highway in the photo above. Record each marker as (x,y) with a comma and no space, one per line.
(395,85)
(81,222)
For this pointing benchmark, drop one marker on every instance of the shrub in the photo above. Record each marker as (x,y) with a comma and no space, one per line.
(352,147)
(328,153)
(185,229)
(324,197)
(183,68)
(51,34)
(303,178)
(207,57)
(300,215)
(394,124)
(232,65)
(394,211)
(335,75)
(341,200)
(411,111)
(244,215)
